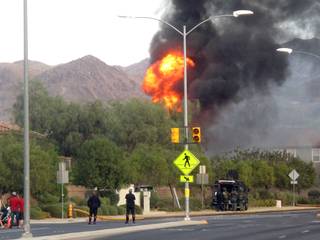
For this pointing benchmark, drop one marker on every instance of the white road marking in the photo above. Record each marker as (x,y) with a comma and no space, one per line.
(305,231)
(4,231)
(178,229)
(282,236)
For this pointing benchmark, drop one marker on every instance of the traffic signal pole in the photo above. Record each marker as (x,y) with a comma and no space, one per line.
(185,110)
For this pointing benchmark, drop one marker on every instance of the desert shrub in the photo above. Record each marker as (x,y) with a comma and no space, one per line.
(111,195)
(265,194)
(79,201)
(121,210)
(37,213)
(302,200)
(155,201)
(48,198)
(105,201)
(54,209)
(113,210)
(314,195)
(262,203)
(166,204)
(194,203)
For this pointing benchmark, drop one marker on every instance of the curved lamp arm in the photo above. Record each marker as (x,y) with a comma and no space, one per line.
(156,19)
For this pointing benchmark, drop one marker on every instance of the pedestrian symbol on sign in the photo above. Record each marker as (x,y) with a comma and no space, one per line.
(186,159)
(186,162)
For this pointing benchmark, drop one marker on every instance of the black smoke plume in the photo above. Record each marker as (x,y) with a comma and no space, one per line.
(235,57)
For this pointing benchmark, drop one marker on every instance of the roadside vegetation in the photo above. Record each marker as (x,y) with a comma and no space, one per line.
(128,142)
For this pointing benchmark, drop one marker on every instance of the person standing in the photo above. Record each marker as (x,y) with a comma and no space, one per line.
(21,213)
(14,204)
(93,204)
(130,198)
(2,213)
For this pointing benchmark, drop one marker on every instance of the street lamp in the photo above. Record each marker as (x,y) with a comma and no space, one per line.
(184,34)
(26,151)
(290,51)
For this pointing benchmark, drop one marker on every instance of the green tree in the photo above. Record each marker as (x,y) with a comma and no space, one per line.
(100,163)
(43,166)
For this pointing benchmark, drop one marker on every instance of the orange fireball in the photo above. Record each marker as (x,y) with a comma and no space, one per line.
(163,77)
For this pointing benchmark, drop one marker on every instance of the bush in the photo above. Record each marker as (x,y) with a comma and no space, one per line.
(195,204)
(113,210)
(121,210)
(54,209)
(105,201)
(165,204)
(104,210)
(78,201)
(262,203)
(302,200)
(154,201)
(111,195)
(265,194)
(37,213)
(314,195)
(48,198)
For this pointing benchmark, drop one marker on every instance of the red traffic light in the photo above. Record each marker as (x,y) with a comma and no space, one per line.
(196,135)
(195,130)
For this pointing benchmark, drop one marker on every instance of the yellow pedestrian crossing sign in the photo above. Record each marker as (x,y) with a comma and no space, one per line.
(186,162)
(186,178)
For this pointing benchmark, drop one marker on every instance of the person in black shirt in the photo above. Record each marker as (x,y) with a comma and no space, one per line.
(93,204)
(130,198)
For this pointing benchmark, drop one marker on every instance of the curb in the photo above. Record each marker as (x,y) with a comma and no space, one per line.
(117,231)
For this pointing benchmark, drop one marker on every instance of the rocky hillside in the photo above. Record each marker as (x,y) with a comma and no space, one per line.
(82,80)
(89,79)
(11,83)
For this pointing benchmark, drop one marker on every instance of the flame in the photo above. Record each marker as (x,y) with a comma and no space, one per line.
(162,79)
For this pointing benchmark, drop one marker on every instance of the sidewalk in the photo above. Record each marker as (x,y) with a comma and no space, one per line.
(163,214)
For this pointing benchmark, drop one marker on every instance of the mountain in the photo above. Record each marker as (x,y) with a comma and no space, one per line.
(88,79)
(11,83)
(83,80)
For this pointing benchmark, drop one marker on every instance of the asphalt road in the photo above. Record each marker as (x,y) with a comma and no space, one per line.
(299,225)
(302,226)
(54,229)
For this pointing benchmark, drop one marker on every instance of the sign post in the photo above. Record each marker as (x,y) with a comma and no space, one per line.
(294,176)
(62,177)
(186,162)
(202,178)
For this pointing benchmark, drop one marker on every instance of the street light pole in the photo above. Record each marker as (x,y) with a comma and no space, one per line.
(184,34)
(185,121)
(26,156)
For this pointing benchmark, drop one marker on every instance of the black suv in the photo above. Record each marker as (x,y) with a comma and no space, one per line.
(230,195)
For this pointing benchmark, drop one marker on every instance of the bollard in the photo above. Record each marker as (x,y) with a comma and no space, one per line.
(70,210)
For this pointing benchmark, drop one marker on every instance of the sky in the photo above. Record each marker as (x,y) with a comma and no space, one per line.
(63,30)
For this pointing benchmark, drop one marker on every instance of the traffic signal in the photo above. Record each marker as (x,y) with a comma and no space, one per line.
(196,135)
(175,132)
